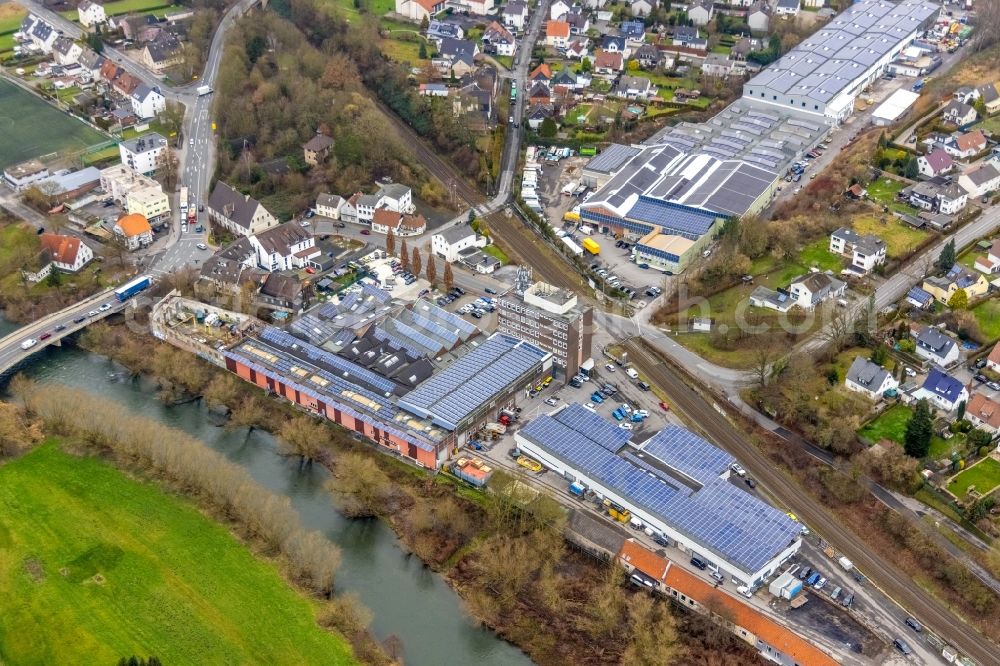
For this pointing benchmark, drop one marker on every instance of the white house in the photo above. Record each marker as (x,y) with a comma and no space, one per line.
(557,34)
(936,347)
(91,13)
(635,87)
(134,231)
(515,14)
(935,163)
(759,16)
(329,205)
(66,51)
(865,252)
(990,263)
(401,224)
(143,154)
(641,7)
(41,34)
(22,176)
(952,199)
(284,247)
(814,288)
(966,145)
(147,102)
(417,10)
(869,378)
(239,213)
(981,179)
(448,243)
(67,253)
(499,39)
(396,197)
(959,113)
(558,9)
(701,11)
(787,7)
(942,391)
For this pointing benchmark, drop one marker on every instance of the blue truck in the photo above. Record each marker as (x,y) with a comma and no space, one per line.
(130,289)
(576,488)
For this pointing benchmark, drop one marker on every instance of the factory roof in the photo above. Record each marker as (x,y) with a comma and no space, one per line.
(829,61)
(677,477)
(457,392)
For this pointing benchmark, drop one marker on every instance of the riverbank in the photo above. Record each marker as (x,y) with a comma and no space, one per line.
(507,560)
(123,568)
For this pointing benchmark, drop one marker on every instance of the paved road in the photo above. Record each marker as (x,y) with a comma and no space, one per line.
(878,569)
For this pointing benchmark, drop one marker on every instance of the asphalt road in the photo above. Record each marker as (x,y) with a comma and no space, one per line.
(883,572)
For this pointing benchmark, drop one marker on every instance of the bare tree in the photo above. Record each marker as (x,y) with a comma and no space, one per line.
(404,257)
(765,353)
(303,436)
(390,243)
(431,270)
(415,263)
(360,487)
(248,414)
(449,277)
(987,25)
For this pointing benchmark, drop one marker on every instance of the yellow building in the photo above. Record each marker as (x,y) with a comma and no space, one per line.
(943,287)
(150,202)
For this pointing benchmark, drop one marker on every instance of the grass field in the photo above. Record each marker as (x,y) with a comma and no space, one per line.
(818,254)
(984,475)
(124,7)
(402,51)
(987,316)
(900,239)
(884,190)
(29,127)
(17,240)
(11,17)
(96,566)
(891,425)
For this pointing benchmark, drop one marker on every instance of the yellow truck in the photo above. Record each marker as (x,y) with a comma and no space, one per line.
(617,511)
(570,216)
(591,246)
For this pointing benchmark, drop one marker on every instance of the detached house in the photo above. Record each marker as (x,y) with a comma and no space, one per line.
(966,145)
(980,180)
(607,63)
(41,34)
(417,10)
(66,51)
(641,7)
(865,252)
(498,39)
(984,413)
(701,11)
(759,16)
(457,56)
(634,31)
(959,113)
(515,14)
(400,224)
(134,231)
(90,13)
(557,34)
(239,213)
(869,378)
(937,195)
(942,391)
(613,44)
(935,346)
(935,163)
(317,149)
(635,87)
(163,52)
(436,30)
(329,205)
(558,9)
(787,7)
(284,247)
(990,263)
(993,360)
(991,98)
(811,290)
(67,253)
(578,49)
(959,277)
(448,243)
(147,102)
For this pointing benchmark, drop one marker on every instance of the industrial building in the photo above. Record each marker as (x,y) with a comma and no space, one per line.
(827,71)
(674,482)
(417,380)
(552,319)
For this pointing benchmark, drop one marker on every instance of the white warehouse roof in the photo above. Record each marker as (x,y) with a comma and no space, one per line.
(896,105)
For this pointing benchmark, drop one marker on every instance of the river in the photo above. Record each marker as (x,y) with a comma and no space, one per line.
(407,599)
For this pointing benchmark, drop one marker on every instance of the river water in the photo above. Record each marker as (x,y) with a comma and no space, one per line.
(407,599)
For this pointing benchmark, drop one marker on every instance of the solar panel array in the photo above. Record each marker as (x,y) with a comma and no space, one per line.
(682,449)
(456,392)
(720,517)
(450,320)
(674,218)
(590,426)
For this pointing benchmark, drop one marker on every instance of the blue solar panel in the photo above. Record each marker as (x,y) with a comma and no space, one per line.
(720,517)
(675,218)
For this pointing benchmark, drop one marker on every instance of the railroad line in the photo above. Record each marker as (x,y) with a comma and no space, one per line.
(883,572)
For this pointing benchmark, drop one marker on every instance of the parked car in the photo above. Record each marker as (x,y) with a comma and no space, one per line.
(738,469)
(609,367)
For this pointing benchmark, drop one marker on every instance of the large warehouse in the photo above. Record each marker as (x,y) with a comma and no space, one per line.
(825,73)
(675,482)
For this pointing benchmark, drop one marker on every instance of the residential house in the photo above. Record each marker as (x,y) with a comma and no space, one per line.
(919,298)
(759,16)
(538,113)
(150,201)
(385,220)
(720,66)
(615,44)
(938,194)
(232,266)
(458,56)
(943,287)
(687,37)
(635,87)
(22,176)
(349,209)
(558,9)
(990,263)
(865,252)
(607,63)
(366,205)
(125,85)
(942,391)
(284,247)
(498,39)
(540,93)
(993,360)
(134,231)
(578,49)
(237,212)
(140,28)
(438,30)
(433,90)
(475,99)
(984,413)
(641,7)
(396,197)
(41,34)
(144,153)
(935,163)
(701,11)
(579,20)
(990,96)
(417,10)
(966,145)
(557,34)
(163,52)
(981,179)
(478,261)
(67,253)
(449,242)
(541,74)
(515,14)
(959,113)
(812,289)
(317,149)
(648,56)
(634,31)
(477,7)
(567,79)
(787,7)
(935,346)
(281,292)
(90,62)
(90,13)
(965,95)
(66,51)
(329,205)
(771,299)
(147,102)
(869,378)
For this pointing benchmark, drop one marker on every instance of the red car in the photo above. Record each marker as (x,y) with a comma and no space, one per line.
(44,336)
(310,270)
(365,232)
(664,406)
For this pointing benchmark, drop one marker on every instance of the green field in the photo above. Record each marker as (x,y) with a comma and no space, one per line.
(891,425)
(818,255)
(884,190)
(95,566)
(900,238)
(984,475)
(30,127)
(124,7)
(987,316)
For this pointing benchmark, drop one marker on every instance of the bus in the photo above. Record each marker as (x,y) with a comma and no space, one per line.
(513,91)
(184,199)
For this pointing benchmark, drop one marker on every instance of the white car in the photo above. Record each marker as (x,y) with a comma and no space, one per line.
(642,412)
(29,343)
(626,408)
(105,307)
(610,367)
(625,426)
(590,406)
(910,372)
(738,470)
(631,372)
(202,246)
(552,402)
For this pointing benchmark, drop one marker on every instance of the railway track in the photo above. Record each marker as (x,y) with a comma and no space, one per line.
(883,572)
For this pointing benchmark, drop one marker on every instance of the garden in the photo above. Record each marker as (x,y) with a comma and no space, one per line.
(984,477)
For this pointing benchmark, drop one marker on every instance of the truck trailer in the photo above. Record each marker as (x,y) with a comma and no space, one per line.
(130,289)
(591,246)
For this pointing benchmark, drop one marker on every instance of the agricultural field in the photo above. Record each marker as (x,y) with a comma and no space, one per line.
(984,475)
(30,127)
(96,566)
(119,7)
